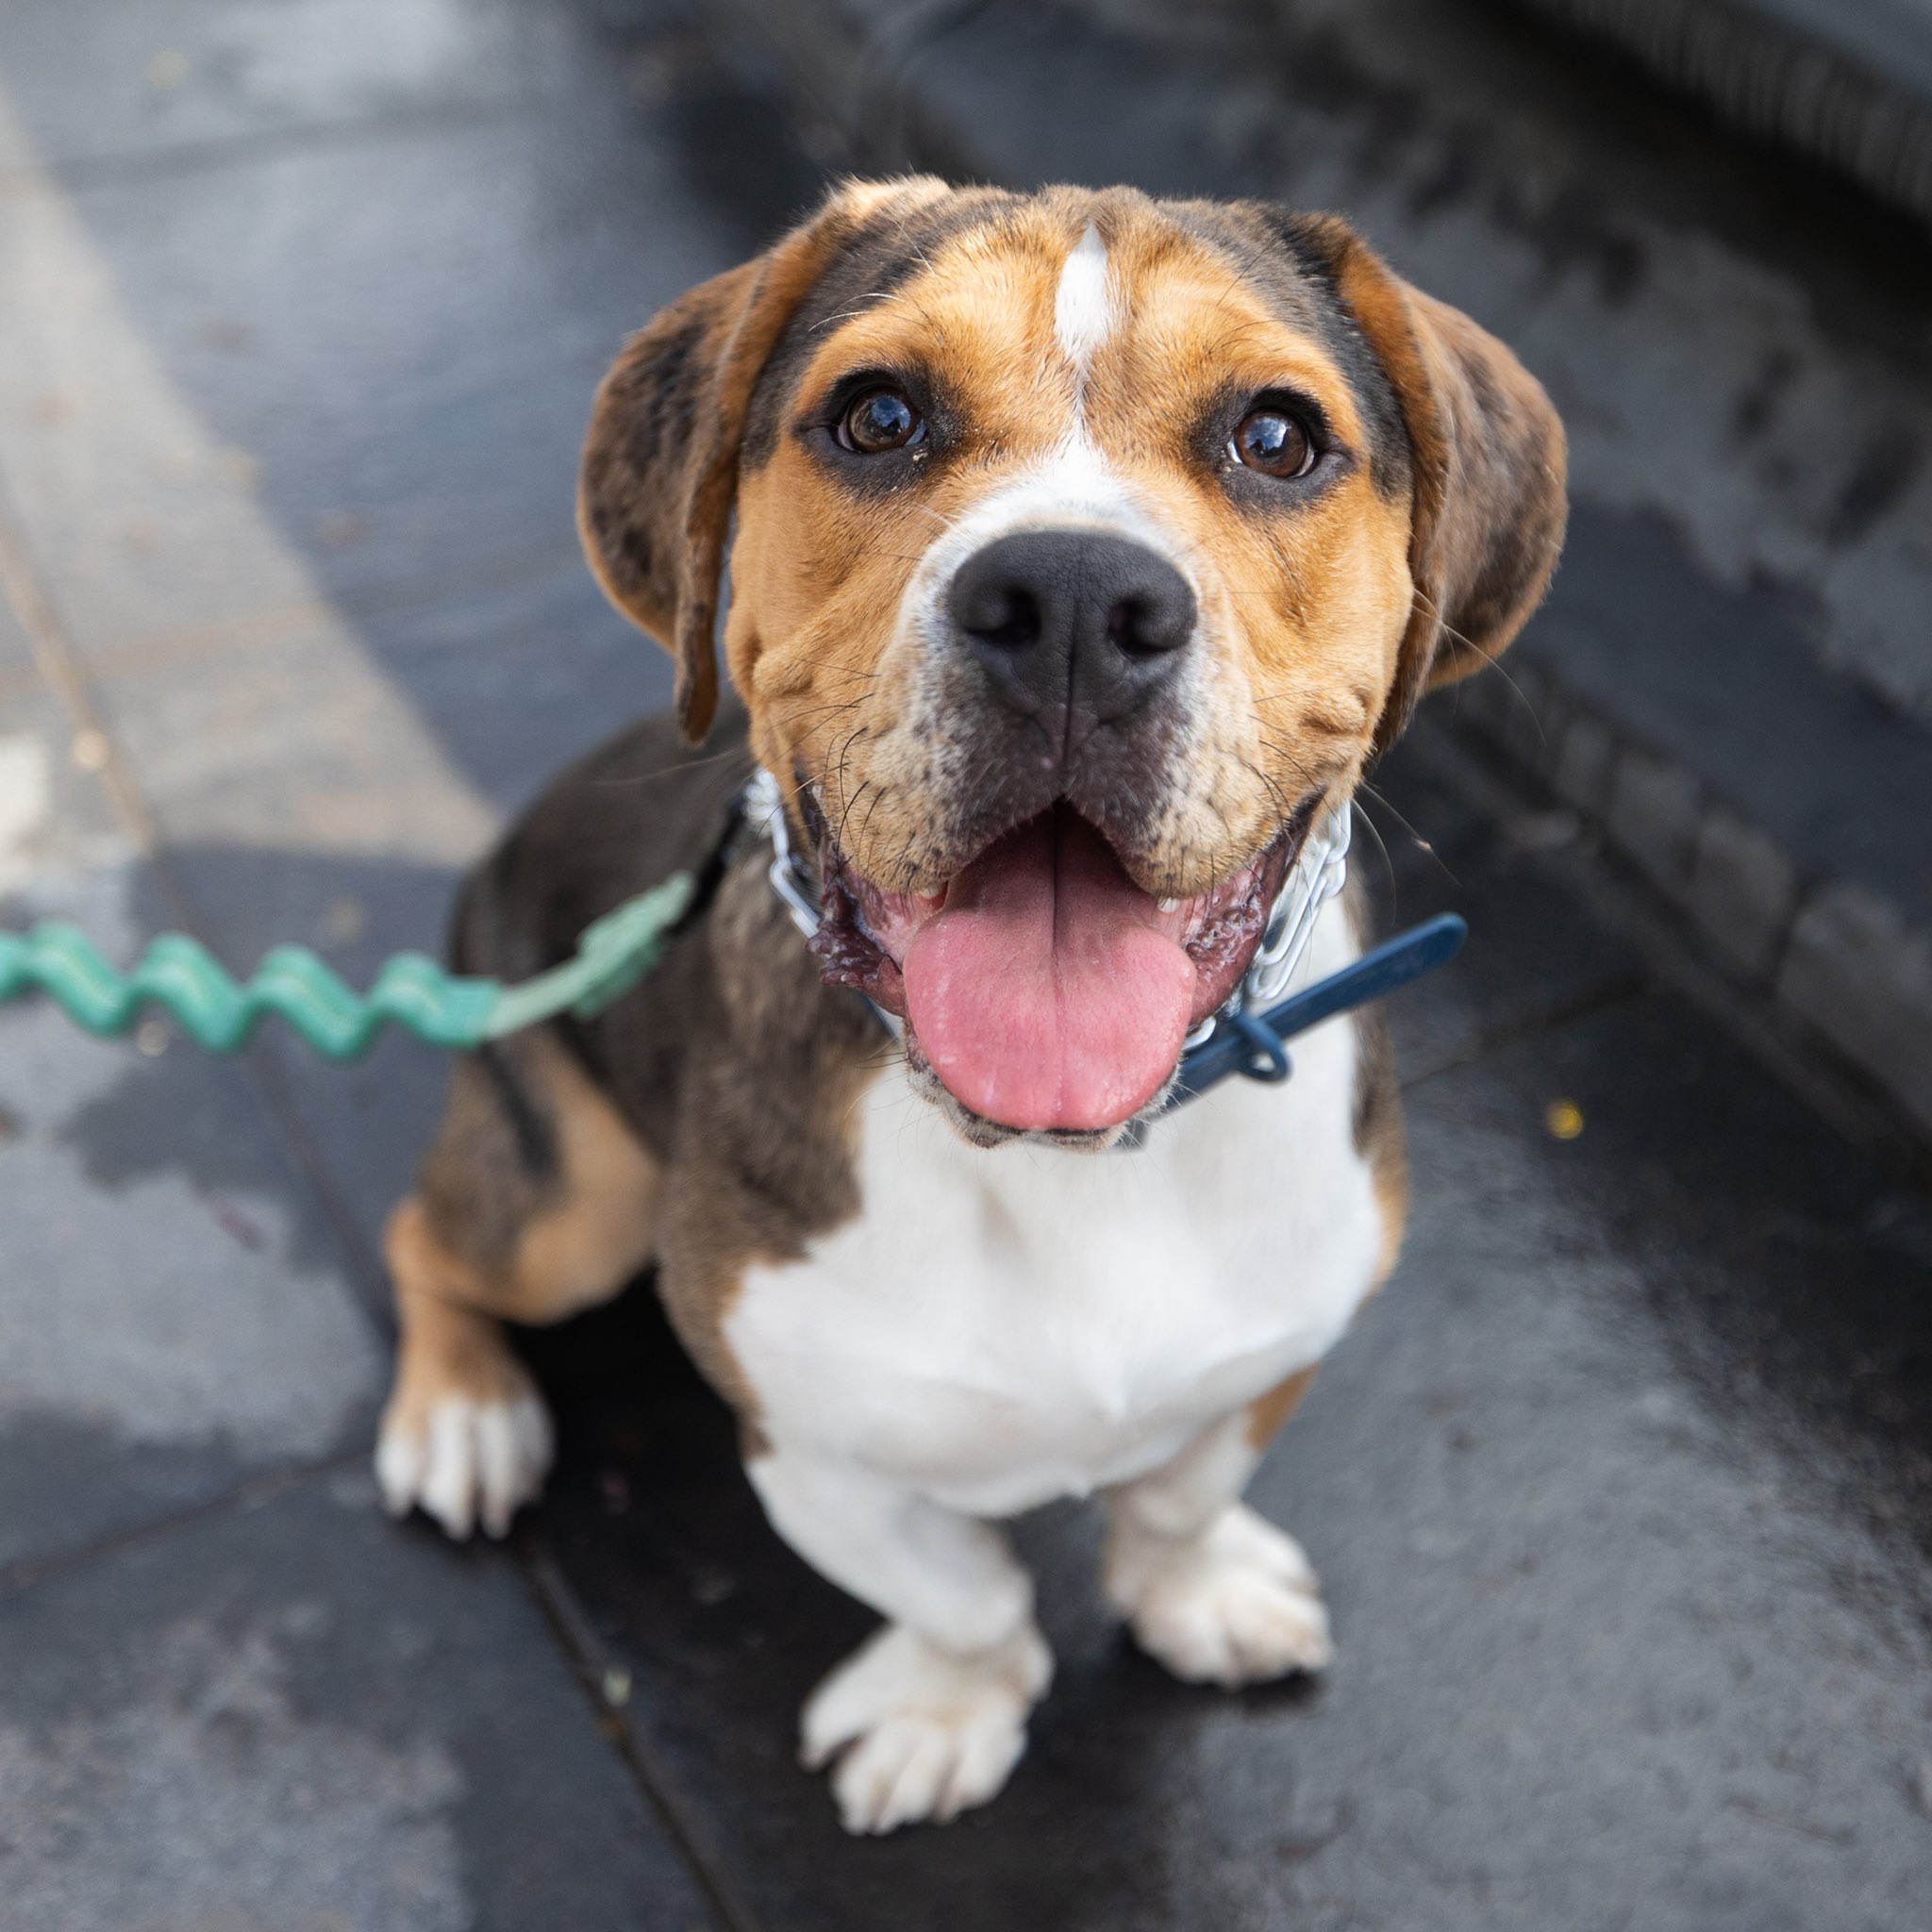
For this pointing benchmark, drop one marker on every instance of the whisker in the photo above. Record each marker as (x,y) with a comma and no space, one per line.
(1423,844)
(1489,657)
(683,765)
(1387,861)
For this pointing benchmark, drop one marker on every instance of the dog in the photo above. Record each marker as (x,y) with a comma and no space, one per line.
(1085,551)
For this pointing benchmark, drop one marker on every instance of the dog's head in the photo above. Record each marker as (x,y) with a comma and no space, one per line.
(1087,545)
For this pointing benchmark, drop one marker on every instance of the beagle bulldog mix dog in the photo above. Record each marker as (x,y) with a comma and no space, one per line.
(1088,550)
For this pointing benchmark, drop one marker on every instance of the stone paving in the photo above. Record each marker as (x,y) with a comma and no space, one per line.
(1620,1490)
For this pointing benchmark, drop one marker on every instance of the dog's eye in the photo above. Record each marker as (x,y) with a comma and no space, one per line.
(879,420)
(1275,442)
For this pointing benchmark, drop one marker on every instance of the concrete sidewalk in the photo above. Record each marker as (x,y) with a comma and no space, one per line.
(1620,1490)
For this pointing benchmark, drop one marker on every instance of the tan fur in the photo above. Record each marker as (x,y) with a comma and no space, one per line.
(1389,1167)
(589,1234)
(1268,1413)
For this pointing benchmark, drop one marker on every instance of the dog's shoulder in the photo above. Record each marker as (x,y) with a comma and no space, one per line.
(624,817)
(731,1053)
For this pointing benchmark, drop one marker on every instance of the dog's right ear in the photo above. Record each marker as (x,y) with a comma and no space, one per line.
(1490,496)
(660,472)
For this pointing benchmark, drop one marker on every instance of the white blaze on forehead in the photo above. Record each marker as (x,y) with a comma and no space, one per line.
(1083,311)
(1073,486)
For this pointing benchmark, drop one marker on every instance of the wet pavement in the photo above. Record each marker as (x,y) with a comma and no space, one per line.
(1620,1490)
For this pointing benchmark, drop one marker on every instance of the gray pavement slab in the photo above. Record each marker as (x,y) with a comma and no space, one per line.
(177,1314)
(1723,683)
(180,81)
(314,370)
(1535,954)
(16,655)
(292,434)
(289,1714)
(516,680)
(268,742)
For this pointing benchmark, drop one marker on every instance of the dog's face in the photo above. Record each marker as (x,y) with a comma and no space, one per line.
(1087,546)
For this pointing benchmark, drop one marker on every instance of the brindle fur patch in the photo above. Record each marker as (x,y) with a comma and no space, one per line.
(1381,1140)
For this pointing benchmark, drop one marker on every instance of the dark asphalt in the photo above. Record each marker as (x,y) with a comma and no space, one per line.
(1620,1490)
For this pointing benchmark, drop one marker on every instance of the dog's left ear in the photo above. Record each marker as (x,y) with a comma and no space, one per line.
(1489,500)
(660,472)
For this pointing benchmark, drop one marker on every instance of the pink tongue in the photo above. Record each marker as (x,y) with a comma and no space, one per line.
(1043,995)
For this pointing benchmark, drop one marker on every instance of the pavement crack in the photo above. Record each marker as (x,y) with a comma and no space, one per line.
(252,1493)
(1551,1018)
(591,1659)
(82,171)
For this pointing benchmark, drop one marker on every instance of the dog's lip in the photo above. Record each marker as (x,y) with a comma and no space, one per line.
(866,931)
(892,920)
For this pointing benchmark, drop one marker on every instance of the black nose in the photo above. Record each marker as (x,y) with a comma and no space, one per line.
(1076,628)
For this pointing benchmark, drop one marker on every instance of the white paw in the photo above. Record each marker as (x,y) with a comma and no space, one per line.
(1236,1605)
(469,1462)
(925,1734)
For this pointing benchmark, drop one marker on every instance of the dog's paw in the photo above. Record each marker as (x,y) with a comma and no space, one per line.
(464,1459)
(1237,1605)
(923,1733)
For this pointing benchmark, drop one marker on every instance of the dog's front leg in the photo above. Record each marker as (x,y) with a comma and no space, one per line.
(1213,1590)
(928,1717)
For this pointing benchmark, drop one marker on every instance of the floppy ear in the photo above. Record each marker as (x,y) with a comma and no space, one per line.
(1489,502)
(660,471)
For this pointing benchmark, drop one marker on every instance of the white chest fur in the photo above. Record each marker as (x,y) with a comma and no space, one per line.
(999,1328)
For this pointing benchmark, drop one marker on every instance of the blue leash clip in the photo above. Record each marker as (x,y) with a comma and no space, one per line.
(1253,1045)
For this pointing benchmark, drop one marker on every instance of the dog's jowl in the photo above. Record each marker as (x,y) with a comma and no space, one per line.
(1088,550)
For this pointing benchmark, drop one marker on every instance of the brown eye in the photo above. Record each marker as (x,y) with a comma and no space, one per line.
(879,420)
(1275,442)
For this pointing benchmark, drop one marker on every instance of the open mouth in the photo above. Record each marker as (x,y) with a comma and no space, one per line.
(1046,990)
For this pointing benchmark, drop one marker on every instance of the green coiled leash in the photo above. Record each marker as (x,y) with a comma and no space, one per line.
(446,1009)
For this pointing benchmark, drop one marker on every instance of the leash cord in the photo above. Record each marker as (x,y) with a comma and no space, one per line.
(446,1009)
